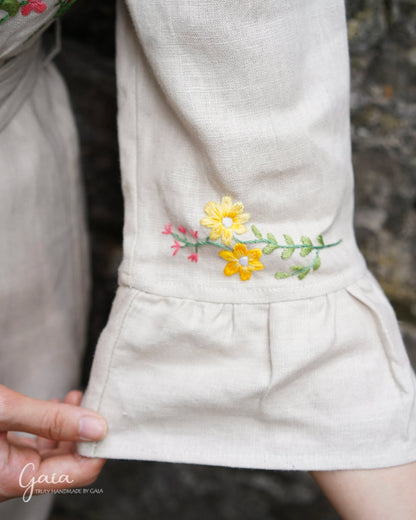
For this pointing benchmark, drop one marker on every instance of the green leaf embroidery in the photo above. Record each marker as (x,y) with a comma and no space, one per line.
(269,249)
(302,275)
(281,275)
(289,240)
(296,267)
(256,231)
(287,253)
(10,6)
(317,263)
(269,241)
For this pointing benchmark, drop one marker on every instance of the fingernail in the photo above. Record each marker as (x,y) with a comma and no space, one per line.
(92,428)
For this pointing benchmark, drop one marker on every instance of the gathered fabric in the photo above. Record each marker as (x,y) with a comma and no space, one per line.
(314,384)
(17,79)
(44,257)
(246,330)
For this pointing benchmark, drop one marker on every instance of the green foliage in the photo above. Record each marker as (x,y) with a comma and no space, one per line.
(10,6)
(302,275)
(317,263)
(279,275)
(287,253)
(297,267)
(289,240)
(269,249)
(256,231)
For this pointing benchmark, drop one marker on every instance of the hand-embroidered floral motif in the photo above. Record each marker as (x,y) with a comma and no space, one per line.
(242,261)
(12,7)
(176,246)
(36,5)
(227,218)
(167,230)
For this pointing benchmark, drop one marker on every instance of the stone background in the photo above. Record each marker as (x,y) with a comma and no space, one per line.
(382,37)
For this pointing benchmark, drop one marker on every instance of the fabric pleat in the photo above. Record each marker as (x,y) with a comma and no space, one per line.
(313,384)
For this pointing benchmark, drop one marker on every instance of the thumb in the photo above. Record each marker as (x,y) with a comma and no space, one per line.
(57,421)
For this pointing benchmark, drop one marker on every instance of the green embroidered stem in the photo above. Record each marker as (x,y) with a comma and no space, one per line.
(288,249)
(299,270)
(306,247)
(286,246)
(198,243)
(63,6)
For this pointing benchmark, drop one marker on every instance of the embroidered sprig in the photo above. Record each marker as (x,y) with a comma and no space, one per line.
(306,247)
(225,220)
(12,7)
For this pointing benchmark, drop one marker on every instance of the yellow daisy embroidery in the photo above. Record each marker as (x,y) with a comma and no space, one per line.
(242,261)
(225,219)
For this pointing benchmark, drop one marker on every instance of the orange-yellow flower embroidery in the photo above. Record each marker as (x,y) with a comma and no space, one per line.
(242,261)
(225,219)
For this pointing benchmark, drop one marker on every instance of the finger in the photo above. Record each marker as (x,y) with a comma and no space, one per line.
(43,444)
(64,448)
(24,472)
(73,397)
(12,460)
(80,471)
(57,421)
(21,441)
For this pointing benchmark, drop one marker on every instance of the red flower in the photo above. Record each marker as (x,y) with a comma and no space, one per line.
(176,247)
(193,257)
(36,5)
(168,230)
(182,230)
(194,233)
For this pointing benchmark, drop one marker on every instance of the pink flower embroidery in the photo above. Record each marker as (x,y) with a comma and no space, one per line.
(168,230)
(182,230)
(176,247)
(36,5)
(194,233)
(193,257)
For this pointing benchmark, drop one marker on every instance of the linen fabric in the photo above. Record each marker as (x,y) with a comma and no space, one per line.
(44,261)
(229,108)
(45,282)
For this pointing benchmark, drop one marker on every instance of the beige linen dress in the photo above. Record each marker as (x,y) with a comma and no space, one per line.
(44,263)
(247,330)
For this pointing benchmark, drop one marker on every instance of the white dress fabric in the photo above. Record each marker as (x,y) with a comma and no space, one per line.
(44,261)
(270,346)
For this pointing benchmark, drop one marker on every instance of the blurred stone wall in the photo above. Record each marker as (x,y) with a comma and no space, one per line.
(382,37)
